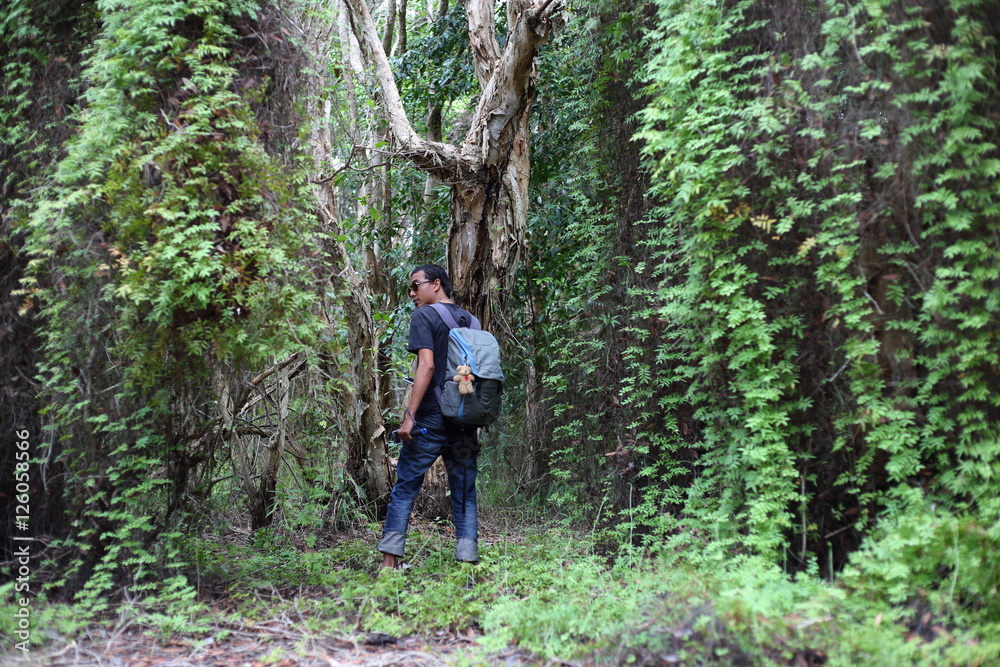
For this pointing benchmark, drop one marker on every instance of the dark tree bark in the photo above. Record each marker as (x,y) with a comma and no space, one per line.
(401,41)
(390,25)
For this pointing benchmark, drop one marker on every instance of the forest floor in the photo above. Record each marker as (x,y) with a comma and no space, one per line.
(228,635)
(275,644)
(542,594)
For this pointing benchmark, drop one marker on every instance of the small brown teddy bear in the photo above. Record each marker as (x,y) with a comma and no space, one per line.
(464,380)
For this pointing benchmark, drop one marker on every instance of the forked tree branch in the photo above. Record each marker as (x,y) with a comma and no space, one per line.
(442,159)
(505,78)
(504,95)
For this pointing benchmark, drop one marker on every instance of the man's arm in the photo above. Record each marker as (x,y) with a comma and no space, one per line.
(422,379)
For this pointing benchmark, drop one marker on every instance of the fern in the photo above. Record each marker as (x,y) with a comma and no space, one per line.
(828,282)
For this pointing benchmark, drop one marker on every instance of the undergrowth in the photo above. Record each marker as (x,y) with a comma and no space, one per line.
(549,593)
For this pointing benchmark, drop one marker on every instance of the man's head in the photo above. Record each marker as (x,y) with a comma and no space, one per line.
(429,284)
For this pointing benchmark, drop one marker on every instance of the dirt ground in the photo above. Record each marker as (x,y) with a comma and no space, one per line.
(274,644)
(278,642)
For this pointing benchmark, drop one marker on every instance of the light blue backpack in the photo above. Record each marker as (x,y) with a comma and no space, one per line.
(479,350)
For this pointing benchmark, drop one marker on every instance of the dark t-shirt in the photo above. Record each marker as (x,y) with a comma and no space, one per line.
(429,332)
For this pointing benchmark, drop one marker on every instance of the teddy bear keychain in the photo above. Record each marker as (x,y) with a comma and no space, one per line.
(464,379)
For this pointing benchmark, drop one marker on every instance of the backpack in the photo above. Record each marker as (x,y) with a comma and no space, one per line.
(478,349)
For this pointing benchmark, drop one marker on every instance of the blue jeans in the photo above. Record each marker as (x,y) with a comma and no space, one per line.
(415,459)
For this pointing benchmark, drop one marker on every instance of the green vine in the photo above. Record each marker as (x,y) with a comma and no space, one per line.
(828,271)
(172,241)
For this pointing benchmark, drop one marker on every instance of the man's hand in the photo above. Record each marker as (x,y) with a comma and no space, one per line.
(422,379)
(406,428)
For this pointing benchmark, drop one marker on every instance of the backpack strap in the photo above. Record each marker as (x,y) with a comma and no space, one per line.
(449,319)
(451,323)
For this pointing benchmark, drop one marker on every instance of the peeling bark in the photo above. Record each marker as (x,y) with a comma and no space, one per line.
(482,39)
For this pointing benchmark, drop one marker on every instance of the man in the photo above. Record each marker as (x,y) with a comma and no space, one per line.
(425,433)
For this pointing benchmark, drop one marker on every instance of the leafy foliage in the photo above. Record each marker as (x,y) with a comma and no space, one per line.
(436,65)
(169,243)
(549,594)
(827,285)
(586,194)
(756,329)
(38,88)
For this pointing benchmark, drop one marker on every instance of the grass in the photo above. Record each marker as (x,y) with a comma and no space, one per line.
(545,591)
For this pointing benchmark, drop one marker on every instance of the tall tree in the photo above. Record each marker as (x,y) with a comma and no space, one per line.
(489,171)
(363,395)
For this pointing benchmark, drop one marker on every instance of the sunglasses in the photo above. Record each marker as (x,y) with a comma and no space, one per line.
(414,285)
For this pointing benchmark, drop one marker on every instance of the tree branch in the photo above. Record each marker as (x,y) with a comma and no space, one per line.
(250,386)
(504,95)
(482,38)
(540,14)
(439,158)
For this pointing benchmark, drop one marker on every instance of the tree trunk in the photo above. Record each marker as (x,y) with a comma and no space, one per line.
(401,40)
(263,503)
(487,236)
(434,129)
(390,25)
(360,417)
